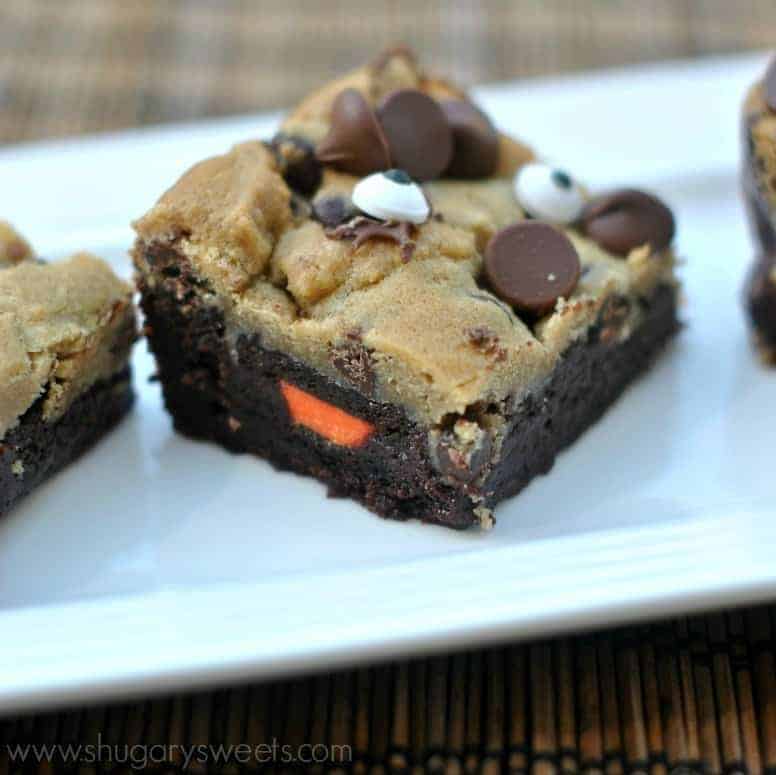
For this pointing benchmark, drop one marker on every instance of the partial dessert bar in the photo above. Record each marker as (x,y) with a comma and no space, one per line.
(759,188)
(397,299)
(66,331)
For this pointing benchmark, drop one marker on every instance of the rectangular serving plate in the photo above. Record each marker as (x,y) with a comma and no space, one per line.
(158,563)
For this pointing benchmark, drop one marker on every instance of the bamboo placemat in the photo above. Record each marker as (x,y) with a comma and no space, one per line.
(72,66)
(683,696)
(690,695)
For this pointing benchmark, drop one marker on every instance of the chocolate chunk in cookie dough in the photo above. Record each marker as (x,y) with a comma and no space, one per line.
(366,343)
(66,331)
(531,265)
(627,219)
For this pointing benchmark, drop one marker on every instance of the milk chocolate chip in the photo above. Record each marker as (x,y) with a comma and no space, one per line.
(530,265)
(475,141)
(419,136)
(355,142)
(627,219)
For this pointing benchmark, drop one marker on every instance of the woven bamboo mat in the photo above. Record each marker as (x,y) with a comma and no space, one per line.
(71,66)
(698,694)
(695,695)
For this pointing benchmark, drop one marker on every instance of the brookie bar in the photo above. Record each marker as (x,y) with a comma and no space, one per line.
(66,331)
(397,299)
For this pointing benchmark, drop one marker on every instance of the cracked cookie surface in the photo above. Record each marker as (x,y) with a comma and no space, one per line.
(269,265)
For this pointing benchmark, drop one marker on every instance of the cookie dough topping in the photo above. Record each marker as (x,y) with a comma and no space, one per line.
(548,194)
(475,141)
(356,143)
(419,136)
(531,265)
(391,196)
(13,247)
(628,219)
(769,85)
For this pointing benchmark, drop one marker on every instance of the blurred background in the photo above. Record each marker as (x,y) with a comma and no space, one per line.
(74,66)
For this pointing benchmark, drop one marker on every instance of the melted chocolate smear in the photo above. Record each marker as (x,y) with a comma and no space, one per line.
(362,229)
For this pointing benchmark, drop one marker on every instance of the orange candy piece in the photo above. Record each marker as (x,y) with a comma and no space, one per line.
(325,419)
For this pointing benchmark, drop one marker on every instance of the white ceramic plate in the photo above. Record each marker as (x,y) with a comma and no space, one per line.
(157,562)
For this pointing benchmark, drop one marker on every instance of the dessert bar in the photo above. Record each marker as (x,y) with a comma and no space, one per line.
(66,331)
(399,300)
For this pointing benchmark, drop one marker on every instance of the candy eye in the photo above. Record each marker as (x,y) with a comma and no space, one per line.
(548,194)
(391,196)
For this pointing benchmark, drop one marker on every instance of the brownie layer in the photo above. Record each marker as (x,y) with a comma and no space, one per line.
(228,391)
(36,449)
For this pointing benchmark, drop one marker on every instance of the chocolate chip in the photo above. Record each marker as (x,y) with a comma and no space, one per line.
(475,141)
(769,84)
(355,142)
(297,162)
(530,265)
(333,210)
(419,136)
(627,219)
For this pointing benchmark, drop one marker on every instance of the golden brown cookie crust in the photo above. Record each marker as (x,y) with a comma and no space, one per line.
(231,219)
(63,326)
